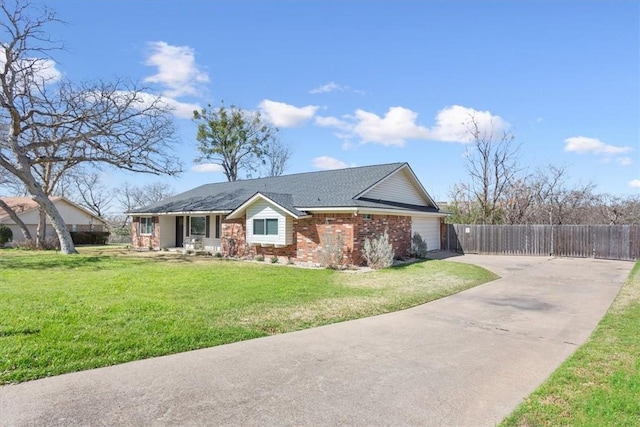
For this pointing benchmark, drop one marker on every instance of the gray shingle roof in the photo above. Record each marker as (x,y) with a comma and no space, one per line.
(324,189)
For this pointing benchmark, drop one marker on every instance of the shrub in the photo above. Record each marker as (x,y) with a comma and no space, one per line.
(260,258)
(378,252)
(274,259)
(6,235)
(218,255)
(90,237)
(48,244)
(332,255)
(418,246)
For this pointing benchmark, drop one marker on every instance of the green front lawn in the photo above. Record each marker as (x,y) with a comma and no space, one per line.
(106,306)
(599,385)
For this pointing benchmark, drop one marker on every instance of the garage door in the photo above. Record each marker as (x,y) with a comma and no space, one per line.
(429,230)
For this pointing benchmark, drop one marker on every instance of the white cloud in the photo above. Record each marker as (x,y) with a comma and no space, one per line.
(453,124)
(177,69)
(395,128)
(182,110)
(582,144)
(333,122)
(634,183)
(328,163)
(286,115)
(36,71)
(625,161)
(400,124)
(46,70)
(207,167)
(329,87)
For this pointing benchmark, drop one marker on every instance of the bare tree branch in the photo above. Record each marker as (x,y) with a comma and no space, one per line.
(50,125)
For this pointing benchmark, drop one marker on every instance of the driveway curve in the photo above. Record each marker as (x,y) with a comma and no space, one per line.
(467,360)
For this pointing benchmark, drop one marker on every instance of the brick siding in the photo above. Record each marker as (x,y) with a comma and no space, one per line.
(145,241)
(398,228)
(310,237)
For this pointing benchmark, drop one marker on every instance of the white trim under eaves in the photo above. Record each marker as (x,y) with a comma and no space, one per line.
(177,213)
(380,211)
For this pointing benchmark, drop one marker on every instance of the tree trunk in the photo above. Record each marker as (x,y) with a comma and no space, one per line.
(41,232)
(64,236)
(14,216)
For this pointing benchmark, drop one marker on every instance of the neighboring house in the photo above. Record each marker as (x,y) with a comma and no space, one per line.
(295,215)
(76,217)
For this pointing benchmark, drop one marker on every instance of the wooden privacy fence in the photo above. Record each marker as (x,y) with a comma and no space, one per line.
(583,241)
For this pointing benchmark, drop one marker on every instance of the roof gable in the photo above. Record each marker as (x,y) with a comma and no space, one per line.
(401,186)
(282,201)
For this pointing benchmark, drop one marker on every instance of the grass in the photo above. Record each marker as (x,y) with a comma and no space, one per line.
(599,385)
(63,314)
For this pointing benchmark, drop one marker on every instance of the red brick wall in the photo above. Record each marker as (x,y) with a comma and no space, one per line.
(145,241)
(398,228)
(311,233)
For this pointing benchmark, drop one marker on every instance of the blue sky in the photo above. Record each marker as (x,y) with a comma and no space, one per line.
(366,82)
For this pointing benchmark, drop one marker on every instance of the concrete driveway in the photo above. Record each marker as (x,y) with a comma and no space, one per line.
(465,360)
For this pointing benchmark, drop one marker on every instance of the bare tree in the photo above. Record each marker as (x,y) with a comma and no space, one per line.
(462,206)
(492,165)
(558,201)
(92,193)
(233,138)
(136,196)
(50,121)
(276,158)
(519,198)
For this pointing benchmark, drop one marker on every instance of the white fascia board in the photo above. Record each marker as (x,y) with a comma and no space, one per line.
(380,211)
(330,210)
(431,214)
(192,213)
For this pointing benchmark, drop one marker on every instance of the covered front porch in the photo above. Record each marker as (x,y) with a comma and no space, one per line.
(195,232)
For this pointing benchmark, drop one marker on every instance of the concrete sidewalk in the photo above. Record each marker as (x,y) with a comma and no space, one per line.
(465,360)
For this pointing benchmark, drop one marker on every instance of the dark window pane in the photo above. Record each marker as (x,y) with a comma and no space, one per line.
(198,224)
(258,226)
(272,227)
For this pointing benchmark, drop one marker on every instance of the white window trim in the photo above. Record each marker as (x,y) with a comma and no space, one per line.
(265,234)
(148,219)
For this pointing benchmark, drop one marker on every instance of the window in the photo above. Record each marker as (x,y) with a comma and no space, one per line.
(367,216)
(198,225)
(146,225)
(265,227)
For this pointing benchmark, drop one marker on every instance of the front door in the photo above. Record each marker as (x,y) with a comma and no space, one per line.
(179,231)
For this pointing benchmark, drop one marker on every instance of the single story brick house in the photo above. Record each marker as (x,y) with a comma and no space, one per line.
(295,216)
(75,216)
